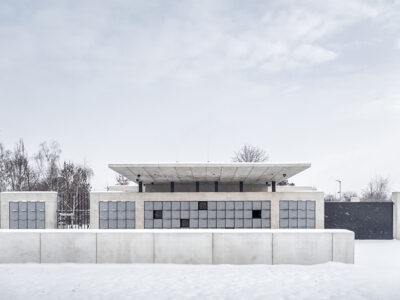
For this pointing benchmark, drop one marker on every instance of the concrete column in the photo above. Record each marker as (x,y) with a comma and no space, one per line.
(396,215)
(139,213)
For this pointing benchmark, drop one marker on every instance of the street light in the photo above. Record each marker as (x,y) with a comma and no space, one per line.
(340,189)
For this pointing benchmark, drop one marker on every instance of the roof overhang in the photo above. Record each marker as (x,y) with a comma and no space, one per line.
(209,172)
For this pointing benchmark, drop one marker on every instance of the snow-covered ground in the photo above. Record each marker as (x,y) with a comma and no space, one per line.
(375,275)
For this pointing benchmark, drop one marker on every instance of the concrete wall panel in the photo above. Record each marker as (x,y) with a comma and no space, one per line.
(302,247)
(19,247)
(242,248)
(183,247)
(124,247)
(343,247)
(68,247)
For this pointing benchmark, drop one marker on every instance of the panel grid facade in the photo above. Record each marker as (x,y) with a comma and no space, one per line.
(207,214)
(116,214)
(27,215)
(297,214)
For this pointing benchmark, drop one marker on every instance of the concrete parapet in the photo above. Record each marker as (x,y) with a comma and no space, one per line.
(396,215)
(210,246)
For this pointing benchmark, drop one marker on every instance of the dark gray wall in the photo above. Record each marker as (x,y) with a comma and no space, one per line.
(368,220)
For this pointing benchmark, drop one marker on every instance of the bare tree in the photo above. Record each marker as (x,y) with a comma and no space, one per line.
(47,166)
(377,190)
(21,175)
(121,180)
(329,198)
(4,163)
(249,153)
(348,195)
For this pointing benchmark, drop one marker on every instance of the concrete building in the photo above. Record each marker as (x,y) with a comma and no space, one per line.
(207,195)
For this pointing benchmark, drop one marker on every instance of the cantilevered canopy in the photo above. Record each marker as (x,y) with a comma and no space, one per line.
(222,172)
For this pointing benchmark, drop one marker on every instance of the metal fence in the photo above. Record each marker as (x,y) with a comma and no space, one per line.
(73,211)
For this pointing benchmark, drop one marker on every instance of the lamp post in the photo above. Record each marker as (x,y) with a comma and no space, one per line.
(340,189)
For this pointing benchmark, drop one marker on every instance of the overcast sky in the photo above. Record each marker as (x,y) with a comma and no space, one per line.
(145,81)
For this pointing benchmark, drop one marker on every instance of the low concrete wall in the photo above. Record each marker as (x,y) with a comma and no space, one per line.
(251,246)
(396,215)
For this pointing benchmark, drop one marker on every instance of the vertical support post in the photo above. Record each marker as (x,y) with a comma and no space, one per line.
(273,186)
(266,185)
(197,186)
(241,186)
(172,186)
(140,187)
(396,215)
(216,186)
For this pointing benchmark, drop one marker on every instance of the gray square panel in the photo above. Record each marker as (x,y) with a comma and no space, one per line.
(184,214)
(40,224)
(247,205)
(247,214)
(112,224)
(284,223)
(148,215)
(301,205)
(176,223)
(176,205)
(121,215)
(220,223)
(265,214)
(148,224)
(203,223)
(301,214)
(121,206)
(23,212)
(220,214)
(212,214)
(194,205)
(194,214)
(167,205)
(220,205)
(212,205)
(184,205)
(193,223)
(293,205)
(238,223)
(311,205)
(167,224)
(130,224)
(130,205)
(310,214)
(103,224)
(284,214)
(202,214)
(310,223)
(256,223)
(157,205)
(257,205)
(230,205)
(247,223)
(212,223)
(292,214)
(32,224)
(292,223)
(166,214)
(265,223)
(157,223)
(148,205)
(301,223)
(121,224)
(175,214)
(238,205)
(239,214)
(284,204)
(13,224)
(266,205)
(230,214)
(230,223)
(130,214)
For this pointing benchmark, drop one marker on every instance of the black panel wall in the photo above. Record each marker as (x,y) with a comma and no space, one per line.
(368,220)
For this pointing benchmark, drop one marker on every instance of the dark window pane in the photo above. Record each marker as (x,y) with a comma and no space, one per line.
(157,214)
(184,223)
(257,214)
(203,205)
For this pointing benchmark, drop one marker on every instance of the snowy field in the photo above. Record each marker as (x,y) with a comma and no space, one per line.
(376,275)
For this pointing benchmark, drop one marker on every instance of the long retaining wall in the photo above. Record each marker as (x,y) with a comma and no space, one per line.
(255,246)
